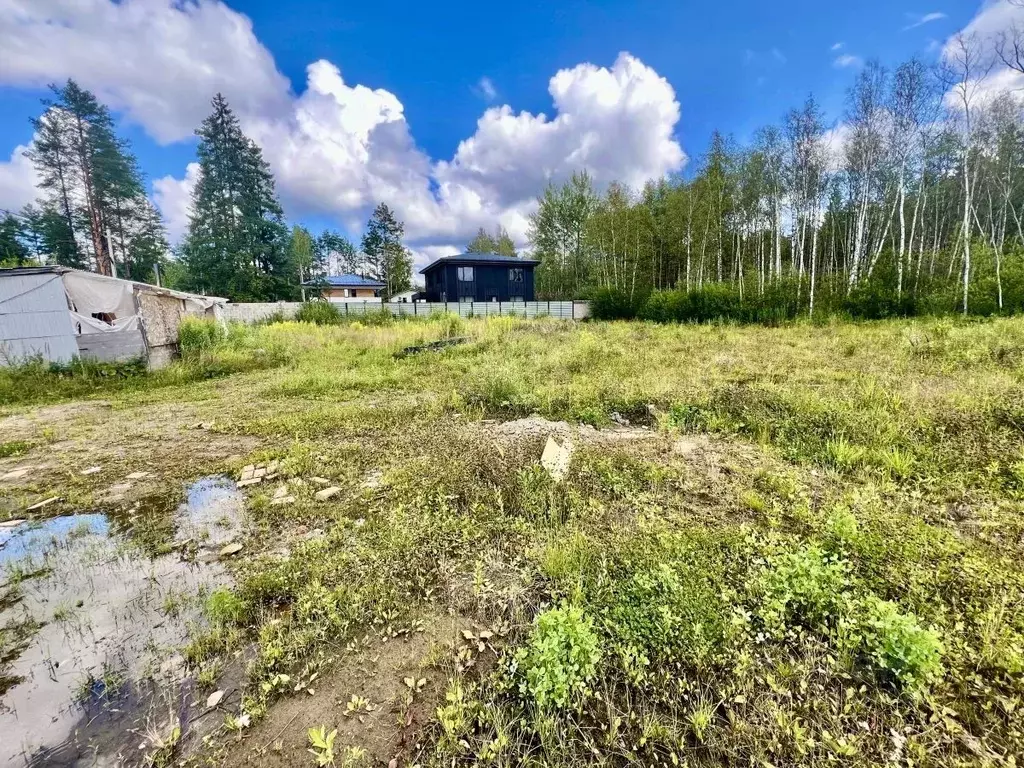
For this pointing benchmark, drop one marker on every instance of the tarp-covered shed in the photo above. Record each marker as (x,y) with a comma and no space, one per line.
(59,314)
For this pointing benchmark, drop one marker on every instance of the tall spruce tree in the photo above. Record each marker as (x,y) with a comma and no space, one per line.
(386,259)
(237,241)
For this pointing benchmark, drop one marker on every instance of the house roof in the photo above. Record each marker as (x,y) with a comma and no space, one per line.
(482,259)
(346,281)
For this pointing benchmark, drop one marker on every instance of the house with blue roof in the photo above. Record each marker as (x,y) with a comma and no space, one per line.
(469,277)
(347,288)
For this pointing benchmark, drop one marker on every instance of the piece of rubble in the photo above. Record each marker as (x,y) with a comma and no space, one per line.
(43,503)
(619,419)
(115,492)
(282,490)
(214,698)
(249,481)
(556,458)
(16,474)
(137,475)
(12,523)
(320,480)
(247,471)
(259,472)
(230,549)
(327,493)
(280,501)
(91,471)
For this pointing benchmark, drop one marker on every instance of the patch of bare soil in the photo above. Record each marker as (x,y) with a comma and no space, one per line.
(538,427)
(699,449)
(90,454)
(23,426)
(387,728)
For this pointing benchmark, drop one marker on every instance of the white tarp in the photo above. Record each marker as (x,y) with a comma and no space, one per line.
(95,294)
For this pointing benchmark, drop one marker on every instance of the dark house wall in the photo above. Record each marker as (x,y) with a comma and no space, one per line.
(490,282)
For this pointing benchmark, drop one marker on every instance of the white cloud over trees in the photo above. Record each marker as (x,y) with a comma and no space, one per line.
(336,148)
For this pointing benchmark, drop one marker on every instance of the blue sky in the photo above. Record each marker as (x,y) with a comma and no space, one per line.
(402,84)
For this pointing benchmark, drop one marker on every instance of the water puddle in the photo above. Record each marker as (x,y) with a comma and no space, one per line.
(93,625)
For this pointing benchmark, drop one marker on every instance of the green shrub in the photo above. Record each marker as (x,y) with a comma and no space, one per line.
(613,304)
(805,588)
(318,313)
(561,657)
(899,646)
(197,335)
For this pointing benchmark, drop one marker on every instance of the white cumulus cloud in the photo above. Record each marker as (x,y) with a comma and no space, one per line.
(158,61)
(173,197)
(338,148)
(17,181)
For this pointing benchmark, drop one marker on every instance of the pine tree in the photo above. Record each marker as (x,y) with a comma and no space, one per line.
(91,142)
(94,196)
(387,260)
(237,242)
(54,222)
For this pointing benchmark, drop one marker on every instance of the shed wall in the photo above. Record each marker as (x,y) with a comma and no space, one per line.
(34,319)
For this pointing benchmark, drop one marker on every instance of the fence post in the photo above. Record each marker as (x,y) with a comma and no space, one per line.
(346,309)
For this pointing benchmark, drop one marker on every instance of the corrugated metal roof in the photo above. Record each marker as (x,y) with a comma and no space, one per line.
(346,281)
(480,258)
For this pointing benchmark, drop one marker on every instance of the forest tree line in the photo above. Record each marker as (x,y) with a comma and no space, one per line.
(917,195)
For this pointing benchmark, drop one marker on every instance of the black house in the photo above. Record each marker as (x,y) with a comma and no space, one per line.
(479,277)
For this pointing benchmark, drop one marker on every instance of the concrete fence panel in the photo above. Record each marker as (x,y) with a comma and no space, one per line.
(253,313)
(568,310)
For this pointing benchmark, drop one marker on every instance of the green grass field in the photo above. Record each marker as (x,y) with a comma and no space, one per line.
(804,549)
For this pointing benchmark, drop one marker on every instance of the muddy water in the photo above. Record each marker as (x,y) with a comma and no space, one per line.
(103,668)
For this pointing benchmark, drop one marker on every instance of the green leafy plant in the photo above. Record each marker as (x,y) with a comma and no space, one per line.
(561,657)
(804,588)
(898,645)
(322,745)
